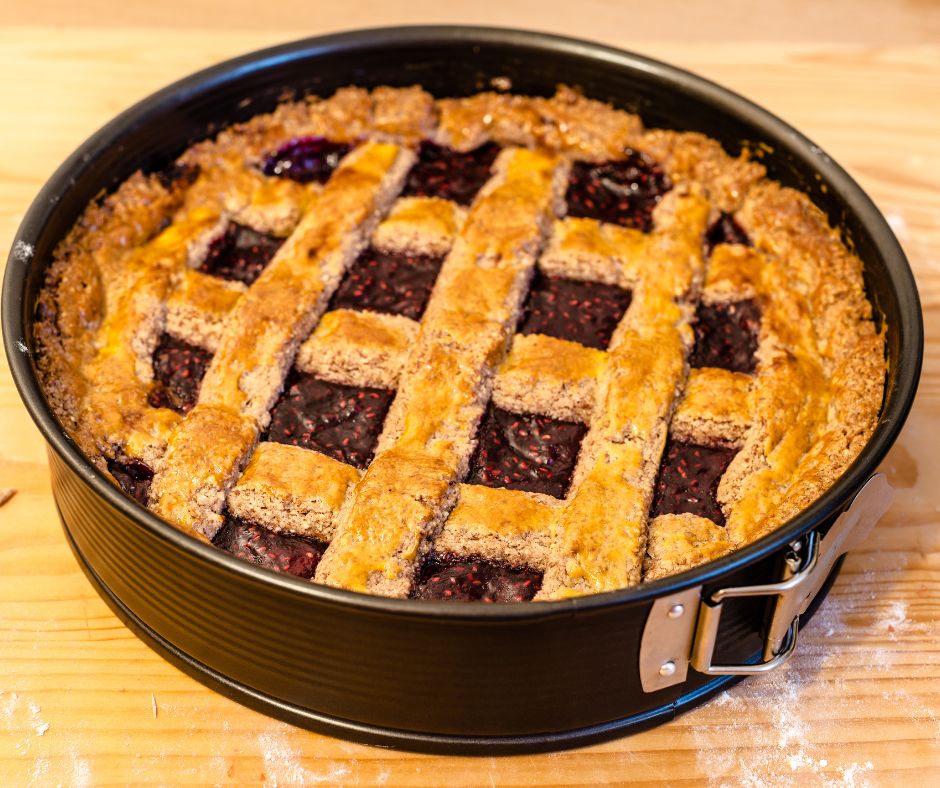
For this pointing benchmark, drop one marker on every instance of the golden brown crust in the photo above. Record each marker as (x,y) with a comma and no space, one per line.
(568,121)
(509,526)
(692,158)
(677,542)
(203,458)
(198,307)
(419,225)
(283,305)
(405,114)
(715,409)
(550,376)
(287,488)
(384,531)
(261,337)
(358,348)
(599,537)
(443,392)
(124,275)
(596,251)
(821,365)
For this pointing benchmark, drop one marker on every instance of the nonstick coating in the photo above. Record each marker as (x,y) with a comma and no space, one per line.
(431,676)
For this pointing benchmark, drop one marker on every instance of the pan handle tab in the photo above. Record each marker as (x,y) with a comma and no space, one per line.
(682,628)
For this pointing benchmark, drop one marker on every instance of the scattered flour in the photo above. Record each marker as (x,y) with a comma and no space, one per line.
(39,725)
(894,620)
(851,772)
(782,730)
(283,764)
(18,713)
(39,774)
(81,770)
(8,705)
(23,252)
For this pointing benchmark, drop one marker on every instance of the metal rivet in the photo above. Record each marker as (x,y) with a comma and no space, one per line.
(676,611)
(667,668)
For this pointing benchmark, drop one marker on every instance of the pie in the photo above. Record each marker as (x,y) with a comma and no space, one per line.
(493,348)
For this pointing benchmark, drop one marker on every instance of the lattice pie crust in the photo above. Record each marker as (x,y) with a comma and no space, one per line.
(128,275)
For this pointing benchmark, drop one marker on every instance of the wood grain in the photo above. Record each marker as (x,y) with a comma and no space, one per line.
(82,701)
(874,21)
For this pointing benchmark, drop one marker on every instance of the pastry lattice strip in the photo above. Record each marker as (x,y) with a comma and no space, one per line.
(208,448)
(426,445)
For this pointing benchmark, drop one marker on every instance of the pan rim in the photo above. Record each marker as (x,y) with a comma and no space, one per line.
(898,398)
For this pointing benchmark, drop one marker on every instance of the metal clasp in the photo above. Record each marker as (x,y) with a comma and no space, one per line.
(774,655)
(682,628)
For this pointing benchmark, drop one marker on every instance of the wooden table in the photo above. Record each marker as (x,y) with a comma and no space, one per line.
(82,701)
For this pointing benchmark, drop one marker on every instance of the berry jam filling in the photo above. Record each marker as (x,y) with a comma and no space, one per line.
(444,577)
(585,312)
(526,452)
(688,480)
(280,552)
(448,174)
(306,159)
(398,284)
(725,230)
(134,478)
(340,421)
(621,192)
(178,369)
(240,254)
(726,336)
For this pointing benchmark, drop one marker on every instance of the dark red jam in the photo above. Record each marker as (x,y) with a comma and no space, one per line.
(394,283)
(725,230)
(444,577)
(526,452)
(306,159)
(178,369)
(134,477)
(585,312)
(621,192)
(688,480)
(449,174)
(340,421)
(726,336)
(280,552)
(240,254)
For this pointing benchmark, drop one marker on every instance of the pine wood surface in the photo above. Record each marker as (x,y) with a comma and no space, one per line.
(83,702)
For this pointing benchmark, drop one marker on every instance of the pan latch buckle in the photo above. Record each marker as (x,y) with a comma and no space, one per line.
(682,628)
(788,591)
